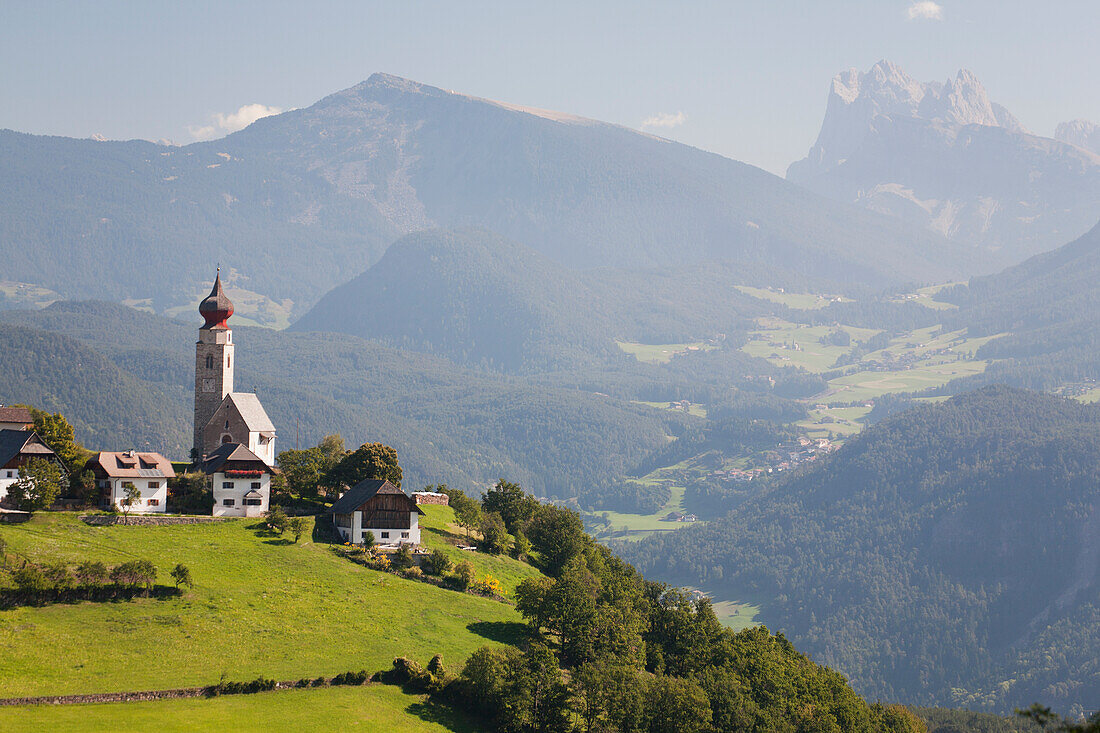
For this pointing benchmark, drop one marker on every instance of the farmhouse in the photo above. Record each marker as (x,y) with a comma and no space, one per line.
(378,507)
(16,418)
(240,481)
(146,472)
(16,448)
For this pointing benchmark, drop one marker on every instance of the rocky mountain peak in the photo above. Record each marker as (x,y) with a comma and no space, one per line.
(1082,133)
(856,98)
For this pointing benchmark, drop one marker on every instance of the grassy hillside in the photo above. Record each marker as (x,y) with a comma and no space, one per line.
(260,606)
(376,707)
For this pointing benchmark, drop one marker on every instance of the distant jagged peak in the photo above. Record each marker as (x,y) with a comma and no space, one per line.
(857,98)
(1082,133)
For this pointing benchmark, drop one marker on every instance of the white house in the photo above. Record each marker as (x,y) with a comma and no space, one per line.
(378,507)
(16,448)
(239,480)
(146,472)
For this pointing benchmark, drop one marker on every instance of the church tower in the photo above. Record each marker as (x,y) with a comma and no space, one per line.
(213,360)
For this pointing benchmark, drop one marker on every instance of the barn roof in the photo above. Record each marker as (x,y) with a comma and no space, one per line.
(16,443)
(363,491)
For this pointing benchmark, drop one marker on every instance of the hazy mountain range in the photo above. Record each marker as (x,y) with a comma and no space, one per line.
(945,157)
(300,202)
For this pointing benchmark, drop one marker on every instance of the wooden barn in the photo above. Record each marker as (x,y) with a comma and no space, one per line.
(379,507)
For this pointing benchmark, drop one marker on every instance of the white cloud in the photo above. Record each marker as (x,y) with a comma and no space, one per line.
(665,119)
(924,10)
(223,124)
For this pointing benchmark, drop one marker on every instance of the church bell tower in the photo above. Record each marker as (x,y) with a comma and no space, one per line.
(213,360)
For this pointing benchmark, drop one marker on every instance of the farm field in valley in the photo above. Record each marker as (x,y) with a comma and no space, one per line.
(660,353)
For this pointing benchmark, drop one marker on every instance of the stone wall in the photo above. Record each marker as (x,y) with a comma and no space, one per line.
(427,497)
(104,520)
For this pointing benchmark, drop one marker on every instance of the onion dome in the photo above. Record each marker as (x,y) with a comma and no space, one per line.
(216,308)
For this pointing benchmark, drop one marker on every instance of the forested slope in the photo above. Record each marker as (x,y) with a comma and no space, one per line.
(449,424)
(947,555)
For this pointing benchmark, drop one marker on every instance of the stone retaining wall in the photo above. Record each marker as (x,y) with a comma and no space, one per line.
(426,497)
(103,520)
(119,696)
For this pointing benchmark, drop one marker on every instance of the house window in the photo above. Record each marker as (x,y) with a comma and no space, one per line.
(227,484)
(229,502)
(10,473)
(154,502)
(154,484)
(253,502)
(209,361)
(255,484)
(385,535)
(404,535)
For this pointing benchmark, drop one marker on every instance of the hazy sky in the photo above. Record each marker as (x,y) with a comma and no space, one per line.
(744,79)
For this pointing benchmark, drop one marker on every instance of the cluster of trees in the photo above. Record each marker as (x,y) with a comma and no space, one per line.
(610,651)
(88,580)
(916,557)
(328,467)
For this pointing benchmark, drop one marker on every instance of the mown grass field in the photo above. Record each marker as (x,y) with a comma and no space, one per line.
(659,353)
(793,344)
(798,301)
(260,606)
(694,409)
(370,708)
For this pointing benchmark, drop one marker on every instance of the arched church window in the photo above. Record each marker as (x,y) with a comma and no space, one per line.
(228,361)
(209,361)
(227,425)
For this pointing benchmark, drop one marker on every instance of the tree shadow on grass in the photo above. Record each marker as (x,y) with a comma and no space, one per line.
(505,632)
(279,541)
(431,711)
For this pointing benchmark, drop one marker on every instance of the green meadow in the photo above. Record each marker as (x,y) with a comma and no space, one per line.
(660,353)
(798,301)
(261,605)
(370,708)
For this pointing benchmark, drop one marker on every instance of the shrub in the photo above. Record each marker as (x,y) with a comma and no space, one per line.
(319,682)
(277,519)
(435,667)
(31,579)
(464,574)
(414,573)
(489,586)
(58,575)
(297,526)
(91,573)
(351,678)
(382,562)
(181,575)
(403,558)
(134,574)
(437,563)
(304,682)
(260,684)
(368,540)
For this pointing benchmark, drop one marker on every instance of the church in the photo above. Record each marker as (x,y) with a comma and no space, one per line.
(234,439)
